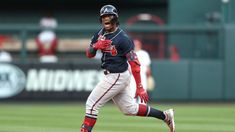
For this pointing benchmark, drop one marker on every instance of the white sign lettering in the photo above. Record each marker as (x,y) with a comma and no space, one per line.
(62,80)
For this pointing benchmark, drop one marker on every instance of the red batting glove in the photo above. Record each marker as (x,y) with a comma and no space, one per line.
(141,93)
(102,44)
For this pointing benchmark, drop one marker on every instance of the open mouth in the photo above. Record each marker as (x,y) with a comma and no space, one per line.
(107,23)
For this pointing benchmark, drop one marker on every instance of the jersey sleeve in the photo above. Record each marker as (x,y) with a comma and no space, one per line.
(127,45)
(95,37)
(90,51)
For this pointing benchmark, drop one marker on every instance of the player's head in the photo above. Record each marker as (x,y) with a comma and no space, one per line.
(109,16)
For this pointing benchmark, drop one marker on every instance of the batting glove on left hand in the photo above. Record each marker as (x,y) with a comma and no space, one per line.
(141,93)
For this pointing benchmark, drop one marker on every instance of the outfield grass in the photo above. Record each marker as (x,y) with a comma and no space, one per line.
(67,117)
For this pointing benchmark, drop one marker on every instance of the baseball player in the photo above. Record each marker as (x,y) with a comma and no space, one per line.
(117,51)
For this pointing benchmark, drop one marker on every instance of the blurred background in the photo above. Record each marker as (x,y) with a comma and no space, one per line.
(190,43)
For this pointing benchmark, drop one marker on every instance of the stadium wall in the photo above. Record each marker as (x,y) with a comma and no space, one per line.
(186,80)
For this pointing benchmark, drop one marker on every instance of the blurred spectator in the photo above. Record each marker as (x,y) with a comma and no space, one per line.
(47,40)
(145,61)
(174,53)
(4,55)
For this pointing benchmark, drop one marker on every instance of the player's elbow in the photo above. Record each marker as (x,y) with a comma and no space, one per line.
(134,66)
(89,54)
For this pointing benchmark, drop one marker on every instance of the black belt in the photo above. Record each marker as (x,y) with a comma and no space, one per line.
(107,72)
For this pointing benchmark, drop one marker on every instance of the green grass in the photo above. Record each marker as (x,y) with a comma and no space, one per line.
(67,117)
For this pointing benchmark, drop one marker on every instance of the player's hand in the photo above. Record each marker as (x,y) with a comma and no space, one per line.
(102,44)
(141,93)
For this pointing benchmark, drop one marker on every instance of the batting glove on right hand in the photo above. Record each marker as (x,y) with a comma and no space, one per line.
(141,93)
(102,44)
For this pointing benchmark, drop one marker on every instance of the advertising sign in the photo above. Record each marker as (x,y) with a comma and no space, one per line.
(40,81)
(12,80)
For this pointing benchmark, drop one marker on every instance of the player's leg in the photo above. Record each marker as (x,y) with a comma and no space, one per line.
(126,103)
(167,116)
(101,94)
(128,106)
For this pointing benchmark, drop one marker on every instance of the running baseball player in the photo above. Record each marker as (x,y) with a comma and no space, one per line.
(117,51)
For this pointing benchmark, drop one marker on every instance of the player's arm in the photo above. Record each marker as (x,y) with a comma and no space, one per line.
(135,68)
(90,52)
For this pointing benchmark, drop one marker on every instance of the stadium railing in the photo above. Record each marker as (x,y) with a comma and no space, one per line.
(25,32)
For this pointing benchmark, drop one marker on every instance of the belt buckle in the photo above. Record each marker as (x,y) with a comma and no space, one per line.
(106,72)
